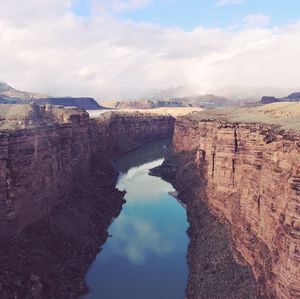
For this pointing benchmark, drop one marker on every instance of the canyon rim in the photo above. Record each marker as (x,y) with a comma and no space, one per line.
(58,196)
(149,149)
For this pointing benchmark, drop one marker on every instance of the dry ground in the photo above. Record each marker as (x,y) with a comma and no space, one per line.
(284,114)
(173,111)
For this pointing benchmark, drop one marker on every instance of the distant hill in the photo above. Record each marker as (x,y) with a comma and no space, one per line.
(238,95)
(293,97)
(203,101)
(10,95)
(84,103)
(141,104)
(206,101)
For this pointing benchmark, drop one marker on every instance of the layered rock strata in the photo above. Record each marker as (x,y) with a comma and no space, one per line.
(39,163)
(58,193)
(50,257)
(249,177)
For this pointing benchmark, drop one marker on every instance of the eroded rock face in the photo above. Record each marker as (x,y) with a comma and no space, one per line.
(121,132)
(251,175)
(58,194)
(39,164)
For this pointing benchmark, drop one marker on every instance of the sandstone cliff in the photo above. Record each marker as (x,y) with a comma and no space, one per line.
(250,178)
(58,193)
(120,132)
(39,163)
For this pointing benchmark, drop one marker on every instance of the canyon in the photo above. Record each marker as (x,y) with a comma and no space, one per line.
(235,170)
(58,193)
(247,173)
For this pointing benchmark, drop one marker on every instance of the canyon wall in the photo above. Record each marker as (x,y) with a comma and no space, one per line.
(118,133)
(58,194)
(40,162)
(250,179)
(38,165)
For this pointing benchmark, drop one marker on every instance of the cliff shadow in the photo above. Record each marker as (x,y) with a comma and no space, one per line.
(49,258)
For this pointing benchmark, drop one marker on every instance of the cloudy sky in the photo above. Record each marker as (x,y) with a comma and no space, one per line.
(124,48)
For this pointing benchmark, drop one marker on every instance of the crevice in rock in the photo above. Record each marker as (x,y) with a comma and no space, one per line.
(235,140)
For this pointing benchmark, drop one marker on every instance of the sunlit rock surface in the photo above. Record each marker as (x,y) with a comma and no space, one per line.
(251,176)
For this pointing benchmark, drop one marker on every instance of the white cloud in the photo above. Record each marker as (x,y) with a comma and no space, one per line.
(48,48)
(138,238)
(229,2)
(18,11)
(257,20)
(119,6)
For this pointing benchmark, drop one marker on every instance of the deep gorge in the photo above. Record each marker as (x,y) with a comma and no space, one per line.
(146,252)
(248,177)
(58,194)
(240,183)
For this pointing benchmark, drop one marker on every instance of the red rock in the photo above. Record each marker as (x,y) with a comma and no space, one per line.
(253,182)
(40,161)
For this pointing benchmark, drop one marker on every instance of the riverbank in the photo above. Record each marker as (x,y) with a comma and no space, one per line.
(49,258)
(213,269)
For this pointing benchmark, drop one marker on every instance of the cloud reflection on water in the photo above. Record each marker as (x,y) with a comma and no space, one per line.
(147,250)
(138,238)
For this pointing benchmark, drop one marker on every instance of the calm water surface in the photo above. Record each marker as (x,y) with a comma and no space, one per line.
(146,256)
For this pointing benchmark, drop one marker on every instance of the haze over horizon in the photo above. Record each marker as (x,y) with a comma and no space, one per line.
(125,49)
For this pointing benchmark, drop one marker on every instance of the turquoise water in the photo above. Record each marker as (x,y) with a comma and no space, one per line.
(146,256)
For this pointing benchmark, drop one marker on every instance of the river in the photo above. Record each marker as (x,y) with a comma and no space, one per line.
(145,257)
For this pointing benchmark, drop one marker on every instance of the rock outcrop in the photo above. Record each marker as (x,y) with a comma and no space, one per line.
(249,176)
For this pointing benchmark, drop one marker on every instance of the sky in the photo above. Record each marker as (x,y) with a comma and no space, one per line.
(131,48)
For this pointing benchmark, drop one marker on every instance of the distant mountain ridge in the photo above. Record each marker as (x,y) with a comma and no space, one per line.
(10,95)
(293,97)
(202,101)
